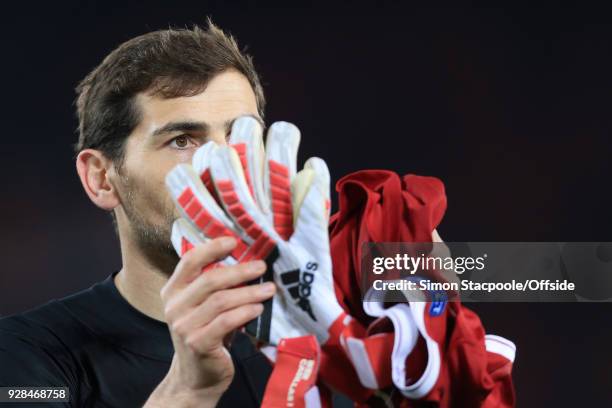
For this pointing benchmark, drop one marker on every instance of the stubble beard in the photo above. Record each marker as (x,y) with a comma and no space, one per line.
(153,240)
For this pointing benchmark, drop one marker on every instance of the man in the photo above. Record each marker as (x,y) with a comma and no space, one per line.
(153,333)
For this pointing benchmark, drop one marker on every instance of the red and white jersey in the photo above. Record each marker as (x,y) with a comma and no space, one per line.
(417,353)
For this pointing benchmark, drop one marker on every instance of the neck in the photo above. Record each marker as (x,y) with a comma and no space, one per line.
(139,281)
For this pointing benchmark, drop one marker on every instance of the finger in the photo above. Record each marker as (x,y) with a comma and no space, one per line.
(220,302)
(184,236)
(201,164)
(210,336)
(323,179)
(281,159)
(246,138)
(220,278)
(192,199)
(193,261)
(310,214)
(303,182)
(198,207)
(238,202)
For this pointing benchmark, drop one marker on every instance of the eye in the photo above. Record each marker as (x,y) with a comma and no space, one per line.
(181,142)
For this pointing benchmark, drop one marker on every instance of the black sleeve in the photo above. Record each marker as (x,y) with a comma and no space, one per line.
(26,362)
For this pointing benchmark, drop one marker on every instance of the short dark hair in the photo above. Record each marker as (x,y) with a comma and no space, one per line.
(167,63)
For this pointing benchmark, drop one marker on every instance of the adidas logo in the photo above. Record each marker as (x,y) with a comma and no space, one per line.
(300,289)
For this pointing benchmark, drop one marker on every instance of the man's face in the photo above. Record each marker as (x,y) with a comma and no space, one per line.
(169,133)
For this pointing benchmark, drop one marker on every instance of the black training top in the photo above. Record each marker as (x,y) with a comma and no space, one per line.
(107,353)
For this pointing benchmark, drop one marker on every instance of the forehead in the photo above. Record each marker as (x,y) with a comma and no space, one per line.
(226,96)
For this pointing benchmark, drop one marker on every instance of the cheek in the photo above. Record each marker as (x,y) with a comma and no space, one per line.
(157,182)
(182,156)
(157,177)
(147,192)
(161,201)
(147,170)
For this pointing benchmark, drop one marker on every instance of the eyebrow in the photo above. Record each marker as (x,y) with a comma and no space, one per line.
(184,126)
(191,126)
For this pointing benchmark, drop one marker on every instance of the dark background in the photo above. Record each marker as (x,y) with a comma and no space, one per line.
(509,107)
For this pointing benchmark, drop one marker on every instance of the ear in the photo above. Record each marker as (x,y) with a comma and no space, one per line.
(93,169)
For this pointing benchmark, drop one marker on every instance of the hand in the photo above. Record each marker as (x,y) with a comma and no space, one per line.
(202,309)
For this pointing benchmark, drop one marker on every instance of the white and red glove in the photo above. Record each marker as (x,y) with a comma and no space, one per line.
(285,224)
